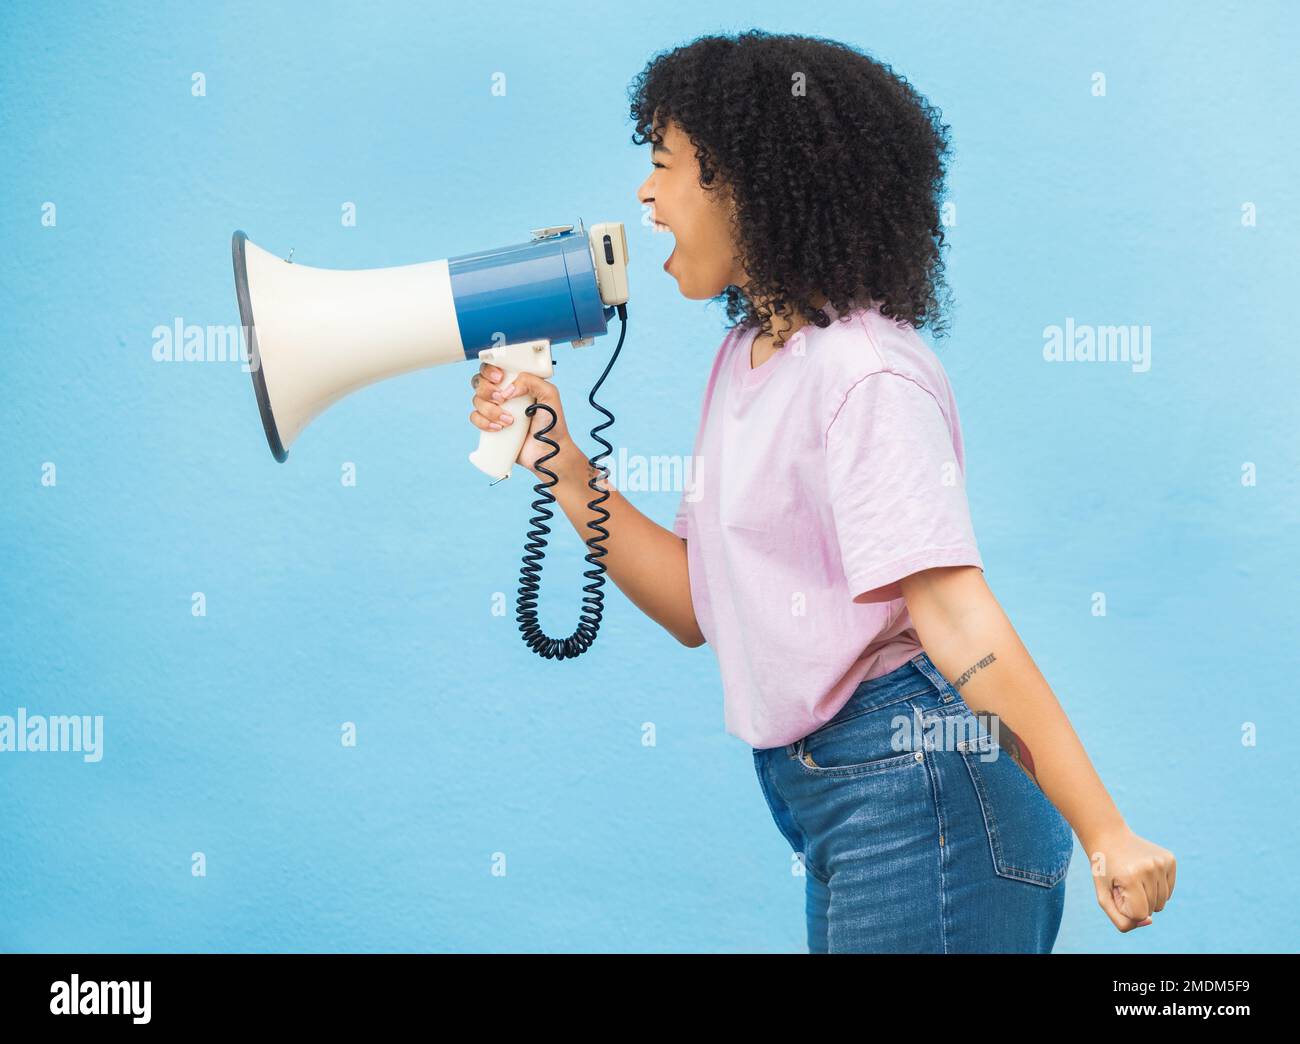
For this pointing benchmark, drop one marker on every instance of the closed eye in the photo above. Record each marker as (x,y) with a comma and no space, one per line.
(659,165)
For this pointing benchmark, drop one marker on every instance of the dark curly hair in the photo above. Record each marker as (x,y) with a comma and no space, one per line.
(835,164)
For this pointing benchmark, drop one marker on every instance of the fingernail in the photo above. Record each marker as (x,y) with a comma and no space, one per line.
(496,396)
(493,426)
(509,419)
(508,390)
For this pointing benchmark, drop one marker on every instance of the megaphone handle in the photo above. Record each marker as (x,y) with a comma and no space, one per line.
(498,450)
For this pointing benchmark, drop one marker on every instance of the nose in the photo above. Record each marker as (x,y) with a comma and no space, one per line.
(643,191)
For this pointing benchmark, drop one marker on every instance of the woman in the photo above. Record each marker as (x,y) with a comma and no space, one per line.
(827,554)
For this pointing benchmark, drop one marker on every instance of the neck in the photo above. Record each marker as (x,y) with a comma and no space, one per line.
(784,327)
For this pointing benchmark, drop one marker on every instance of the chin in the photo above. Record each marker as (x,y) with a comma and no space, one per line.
(692,291)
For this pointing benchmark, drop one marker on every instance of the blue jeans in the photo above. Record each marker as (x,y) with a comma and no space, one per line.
(915,835)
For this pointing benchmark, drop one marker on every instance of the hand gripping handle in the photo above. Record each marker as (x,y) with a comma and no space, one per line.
(498,450)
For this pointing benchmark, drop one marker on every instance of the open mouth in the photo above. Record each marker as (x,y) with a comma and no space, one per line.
(659,226)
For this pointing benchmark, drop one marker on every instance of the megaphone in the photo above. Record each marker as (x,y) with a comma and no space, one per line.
(315,334)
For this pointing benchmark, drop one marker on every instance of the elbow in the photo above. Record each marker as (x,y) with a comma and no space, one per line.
(691,641)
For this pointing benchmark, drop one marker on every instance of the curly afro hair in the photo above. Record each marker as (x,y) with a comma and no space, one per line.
(834,162)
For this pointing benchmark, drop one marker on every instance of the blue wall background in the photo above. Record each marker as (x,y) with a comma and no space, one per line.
(328,604)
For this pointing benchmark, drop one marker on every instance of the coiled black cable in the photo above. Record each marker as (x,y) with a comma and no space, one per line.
(530,575)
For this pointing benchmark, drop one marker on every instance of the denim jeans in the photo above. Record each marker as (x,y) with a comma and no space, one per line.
(917,833)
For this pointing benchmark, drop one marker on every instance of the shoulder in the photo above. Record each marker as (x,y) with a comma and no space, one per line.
(863,351)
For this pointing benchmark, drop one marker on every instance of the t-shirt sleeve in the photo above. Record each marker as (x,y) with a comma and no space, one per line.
(897,487)
(679,523)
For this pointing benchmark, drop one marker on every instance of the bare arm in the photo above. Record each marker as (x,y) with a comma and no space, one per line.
(967,635)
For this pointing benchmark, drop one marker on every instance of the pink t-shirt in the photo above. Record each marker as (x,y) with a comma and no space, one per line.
(820,479)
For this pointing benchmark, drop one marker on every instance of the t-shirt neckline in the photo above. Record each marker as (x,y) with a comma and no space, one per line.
(754,376)
(751,377)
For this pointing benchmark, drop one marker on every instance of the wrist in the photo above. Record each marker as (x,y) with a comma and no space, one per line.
(570,466)
(1102,835)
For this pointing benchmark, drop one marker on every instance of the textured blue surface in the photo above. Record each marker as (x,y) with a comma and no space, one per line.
(373,603)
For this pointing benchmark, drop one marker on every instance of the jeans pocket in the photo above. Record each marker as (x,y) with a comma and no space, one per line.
(1029,838)
(878,740)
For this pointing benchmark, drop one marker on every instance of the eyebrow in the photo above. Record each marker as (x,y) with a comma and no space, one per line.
(659,147)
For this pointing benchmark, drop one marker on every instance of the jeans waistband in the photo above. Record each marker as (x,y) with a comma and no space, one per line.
(909,679)
(912,678)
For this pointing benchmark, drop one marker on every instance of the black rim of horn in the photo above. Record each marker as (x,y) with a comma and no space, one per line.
(255,360)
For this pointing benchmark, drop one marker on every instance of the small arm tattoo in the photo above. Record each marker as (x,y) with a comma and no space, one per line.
(965,677)
(1007,740)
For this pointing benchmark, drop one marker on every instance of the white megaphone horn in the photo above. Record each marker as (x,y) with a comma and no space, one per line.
(315,334)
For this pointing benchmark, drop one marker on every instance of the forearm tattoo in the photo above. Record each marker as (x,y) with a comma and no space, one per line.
(1009,742)
(966,675)
(1015,746)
